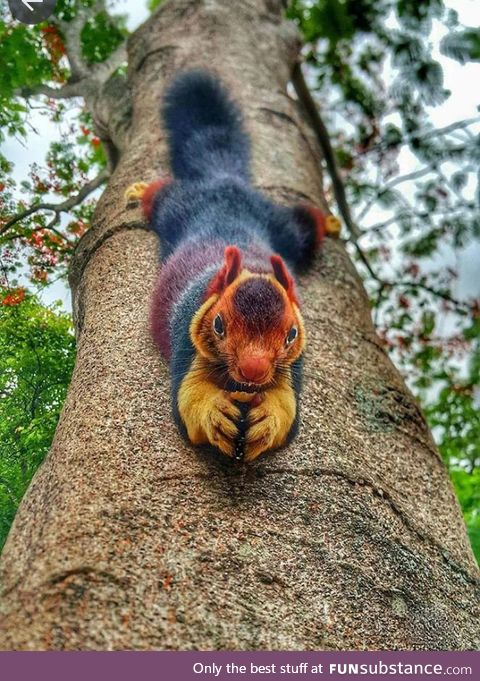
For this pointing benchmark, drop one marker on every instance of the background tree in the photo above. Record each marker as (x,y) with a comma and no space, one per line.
(37,351)
(358,521)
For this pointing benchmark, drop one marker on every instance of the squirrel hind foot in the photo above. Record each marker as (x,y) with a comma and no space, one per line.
(135,192)
(333,226)
(146,194)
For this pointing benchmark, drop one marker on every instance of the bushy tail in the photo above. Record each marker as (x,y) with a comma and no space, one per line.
(205,129)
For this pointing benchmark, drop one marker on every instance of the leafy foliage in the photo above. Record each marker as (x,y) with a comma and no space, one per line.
(100,37)
(35,56)
(154,4)
(462,45)
(37,351)
(38,241)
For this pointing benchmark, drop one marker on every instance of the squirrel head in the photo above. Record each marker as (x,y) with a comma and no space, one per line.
(250,327)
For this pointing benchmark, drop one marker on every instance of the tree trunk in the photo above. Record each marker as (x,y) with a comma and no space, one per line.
(128,538)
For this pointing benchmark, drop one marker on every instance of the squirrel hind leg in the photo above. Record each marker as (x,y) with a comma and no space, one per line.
(320,224)
(308,231)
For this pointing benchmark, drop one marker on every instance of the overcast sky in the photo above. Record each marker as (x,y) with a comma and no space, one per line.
(461,80)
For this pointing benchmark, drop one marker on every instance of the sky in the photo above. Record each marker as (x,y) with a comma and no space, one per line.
(461,80)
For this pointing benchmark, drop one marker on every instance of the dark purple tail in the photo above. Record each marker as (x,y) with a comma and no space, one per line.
(205,129)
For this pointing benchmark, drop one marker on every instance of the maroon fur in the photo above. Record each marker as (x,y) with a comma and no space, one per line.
(319,218)
(260,304)
(228,273)
(148,198)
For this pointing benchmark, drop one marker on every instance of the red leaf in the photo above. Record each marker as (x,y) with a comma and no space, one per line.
(14,297)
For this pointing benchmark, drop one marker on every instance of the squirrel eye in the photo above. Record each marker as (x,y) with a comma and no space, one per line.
(218,326)
(292,334)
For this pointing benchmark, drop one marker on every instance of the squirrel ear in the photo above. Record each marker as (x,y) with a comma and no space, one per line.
(233,264)
(283,276)
(229,272)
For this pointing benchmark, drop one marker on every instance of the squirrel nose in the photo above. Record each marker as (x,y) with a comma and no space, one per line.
(254,369)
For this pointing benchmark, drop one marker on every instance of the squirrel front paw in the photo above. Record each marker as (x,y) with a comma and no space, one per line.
(241,431)
(270,423)
(146,194)
(263,432)
(209,414)
(220,423)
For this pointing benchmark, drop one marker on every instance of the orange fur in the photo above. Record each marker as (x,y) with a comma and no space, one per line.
(326,224)
(284,277)
(209,413)
(238,343)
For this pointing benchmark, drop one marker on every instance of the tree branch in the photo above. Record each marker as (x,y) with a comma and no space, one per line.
(459,125)
(66,92)
(85,78)
(321,131)
(105,69)
(361,254)
(84,86)
(430,289)
(385,284)
(59,208)
(72,33)
(415,175)
(323,138)
(371,202)
(50,228)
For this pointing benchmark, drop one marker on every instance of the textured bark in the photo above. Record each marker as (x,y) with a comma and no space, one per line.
(127,538)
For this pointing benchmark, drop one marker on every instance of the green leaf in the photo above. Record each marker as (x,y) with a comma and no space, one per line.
(37,352)
(154,4)
(463,46)
(101,36)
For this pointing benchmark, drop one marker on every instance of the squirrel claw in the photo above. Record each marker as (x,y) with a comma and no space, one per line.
(262,434)
(220,425)
(270,422)
(135,192)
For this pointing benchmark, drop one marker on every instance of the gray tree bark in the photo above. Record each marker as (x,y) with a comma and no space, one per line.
(128,538)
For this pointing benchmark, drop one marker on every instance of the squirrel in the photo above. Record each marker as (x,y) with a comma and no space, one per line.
(225,311)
